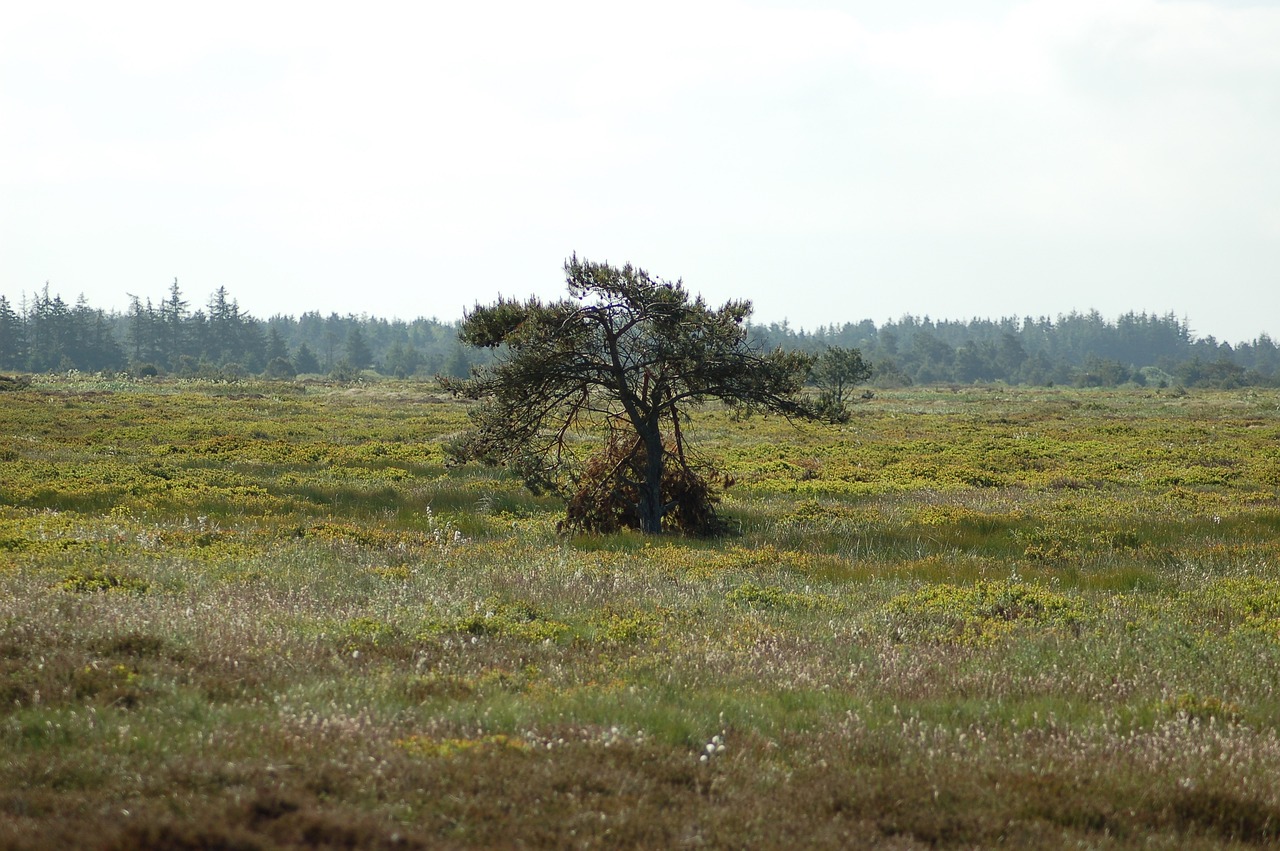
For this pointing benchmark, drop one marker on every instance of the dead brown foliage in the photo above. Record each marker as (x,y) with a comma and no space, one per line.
(607,496)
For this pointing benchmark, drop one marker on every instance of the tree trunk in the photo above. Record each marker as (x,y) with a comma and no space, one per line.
(650,505)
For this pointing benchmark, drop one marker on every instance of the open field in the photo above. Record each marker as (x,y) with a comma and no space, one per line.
(267,616)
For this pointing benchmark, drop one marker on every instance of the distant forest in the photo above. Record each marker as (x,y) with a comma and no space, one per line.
(217,339)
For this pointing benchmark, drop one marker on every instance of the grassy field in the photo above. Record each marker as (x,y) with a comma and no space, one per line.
(267,616)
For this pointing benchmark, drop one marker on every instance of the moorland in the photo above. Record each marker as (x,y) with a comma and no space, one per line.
(270,615)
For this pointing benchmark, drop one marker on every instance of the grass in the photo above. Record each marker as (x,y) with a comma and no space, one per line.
(269,616)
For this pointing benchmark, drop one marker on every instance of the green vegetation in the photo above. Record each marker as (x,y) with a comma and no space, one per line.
(268,615)
(217,340)
(629,355)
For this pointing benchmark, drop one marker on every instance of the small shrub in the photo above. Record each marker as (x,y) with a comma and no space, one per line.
(982,613)
(103,580)
(751,595)
(445,748)
(518,620)
(622,628)
(279,369)
(1202,708)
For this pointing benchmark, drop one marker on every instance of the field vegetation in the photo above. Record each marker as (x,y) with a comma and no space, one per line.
(257,615)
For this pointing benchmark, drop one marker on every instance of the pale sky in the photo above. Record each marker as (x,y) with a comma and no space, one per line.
(831,161)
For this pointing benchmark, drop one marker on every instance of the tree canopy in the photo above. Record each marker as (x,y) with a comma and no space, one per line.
(170,334)
(835,372)
(628,352)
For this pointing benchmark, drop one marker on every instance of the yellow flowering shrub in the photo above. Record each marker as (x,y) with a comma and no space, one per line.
(981,613)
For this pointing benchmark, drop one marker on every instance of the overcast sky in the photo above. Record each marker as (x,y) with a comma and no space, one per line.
(831,161)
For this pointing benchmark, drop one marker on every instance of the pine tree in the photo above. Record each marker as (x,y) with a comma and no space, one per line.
(356,351)
(276,347)
(143,324)
(173,313)
(12,336)
(305,361)
(630,353)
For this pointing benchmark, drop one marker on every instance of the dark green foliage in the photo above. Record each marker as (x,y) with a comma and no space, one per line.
(54,336)
(305,360)
(1100,372)
(12,335)
(279,369)
(357,353)
(173,314)
(491,326)
(276,347)
(1040,350)
(836,372)
(402,360)
(627,352)
(232,336)
(47,334)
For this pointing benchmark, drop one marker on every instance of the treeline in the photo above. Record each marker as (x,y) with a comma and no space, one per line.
(218,339)
(1079,349)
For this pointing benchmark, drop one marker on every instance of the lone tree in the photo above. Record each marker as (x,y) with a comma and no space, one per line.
(629,352)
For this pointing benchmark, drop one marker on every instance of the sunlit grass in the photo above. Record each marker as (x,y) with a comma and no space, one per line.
(260,613)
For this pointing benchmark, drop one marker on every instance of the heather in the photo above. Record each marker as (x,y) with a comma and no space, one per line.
(257,614)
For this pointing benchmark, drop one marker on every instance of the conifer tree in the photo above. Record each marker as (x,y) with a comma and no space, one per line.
(629,353)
